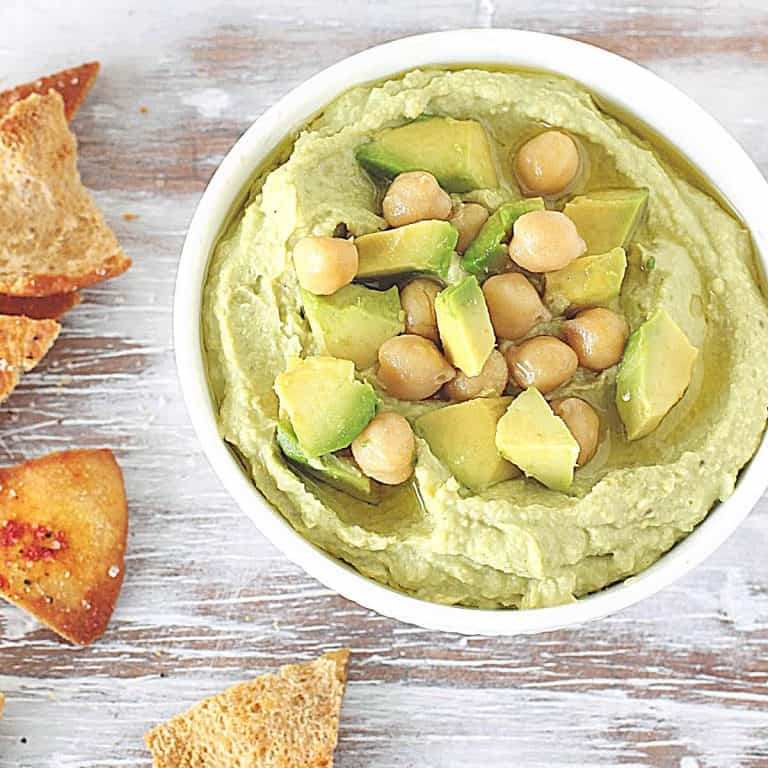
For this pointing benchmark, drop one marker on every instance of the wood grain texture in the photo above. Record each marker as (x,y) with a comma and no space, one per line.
(680,680)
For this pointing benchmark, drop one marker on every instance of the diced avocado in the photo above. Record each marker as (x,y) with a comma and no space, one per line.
(653,374)
(464,325)
(533,438)
(607,218)
(463,437)
(487,253)
(326,406)
(338,471)
(354,322)
(456,152)
(591,281)
(423,247)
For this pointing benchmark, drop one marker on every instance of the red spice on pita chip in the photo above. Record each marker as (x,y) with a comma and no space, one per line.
(63,530)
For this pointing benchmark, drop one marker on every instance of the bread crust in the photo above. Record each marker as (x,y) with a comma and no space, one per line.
(42,308)
(73,85)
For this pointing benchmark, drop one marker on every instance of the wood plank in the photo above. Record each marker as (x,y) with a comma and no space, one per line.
(419,726)
(679,680)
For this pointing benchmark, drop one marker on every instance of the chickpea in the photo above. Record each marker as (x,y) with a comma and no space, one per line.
(325,264)
(547,164)
(598,336)
(514,305)
(384,449)
(543,362)
(491,381)
(415,196)
(545,241)
(583,423)
(412,367)
(418,301)
(468,219)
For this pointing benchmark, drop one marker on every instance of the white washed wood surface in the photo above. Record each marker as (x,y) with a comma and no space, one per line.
(680,680)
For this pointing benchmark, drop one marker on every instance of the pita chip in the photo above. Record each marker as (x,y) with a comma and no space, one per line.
(53,238)
(284,720)
(23,344)
(73,85)
(63,529)
(42,308)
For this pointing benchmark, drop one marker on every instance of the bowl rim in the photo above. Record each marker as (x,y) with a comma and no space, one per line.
(657,104)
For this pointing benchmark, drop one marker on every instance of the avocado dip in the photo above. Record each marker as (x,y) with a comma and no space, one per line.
(482,341)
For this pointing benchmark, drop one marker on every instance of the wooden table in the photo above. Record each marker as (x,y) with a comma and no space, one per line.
(680,680)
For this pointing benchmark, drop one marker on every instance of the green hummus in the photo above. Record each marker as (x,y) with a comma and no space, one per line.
(518,544)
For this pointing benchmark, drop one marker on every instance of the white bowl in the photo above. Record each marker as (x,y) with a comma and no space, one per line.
(622,83)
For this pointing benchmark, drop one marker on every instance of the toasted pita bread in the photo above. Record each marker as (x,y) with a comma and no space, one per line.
(43,308)
(284,720)
(73,85)
(53,238)
(63,529)
(23,344)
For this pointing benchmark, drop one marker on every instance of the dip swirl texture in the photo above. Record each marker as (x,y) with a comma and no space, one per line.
(518,544)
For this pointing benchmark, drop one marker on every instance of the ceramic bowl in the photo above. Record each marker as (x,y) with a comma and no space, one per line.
(629,87)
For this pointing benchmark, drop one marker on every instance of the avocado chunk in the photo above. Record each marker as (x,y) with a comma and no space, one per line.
(337,471)
(607,218)
(463,437)
(456,152)
(424,247)
(465,325)
(533,438)
(487,253)
(325,405)
(590,281)
(653,374)
(354,322)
